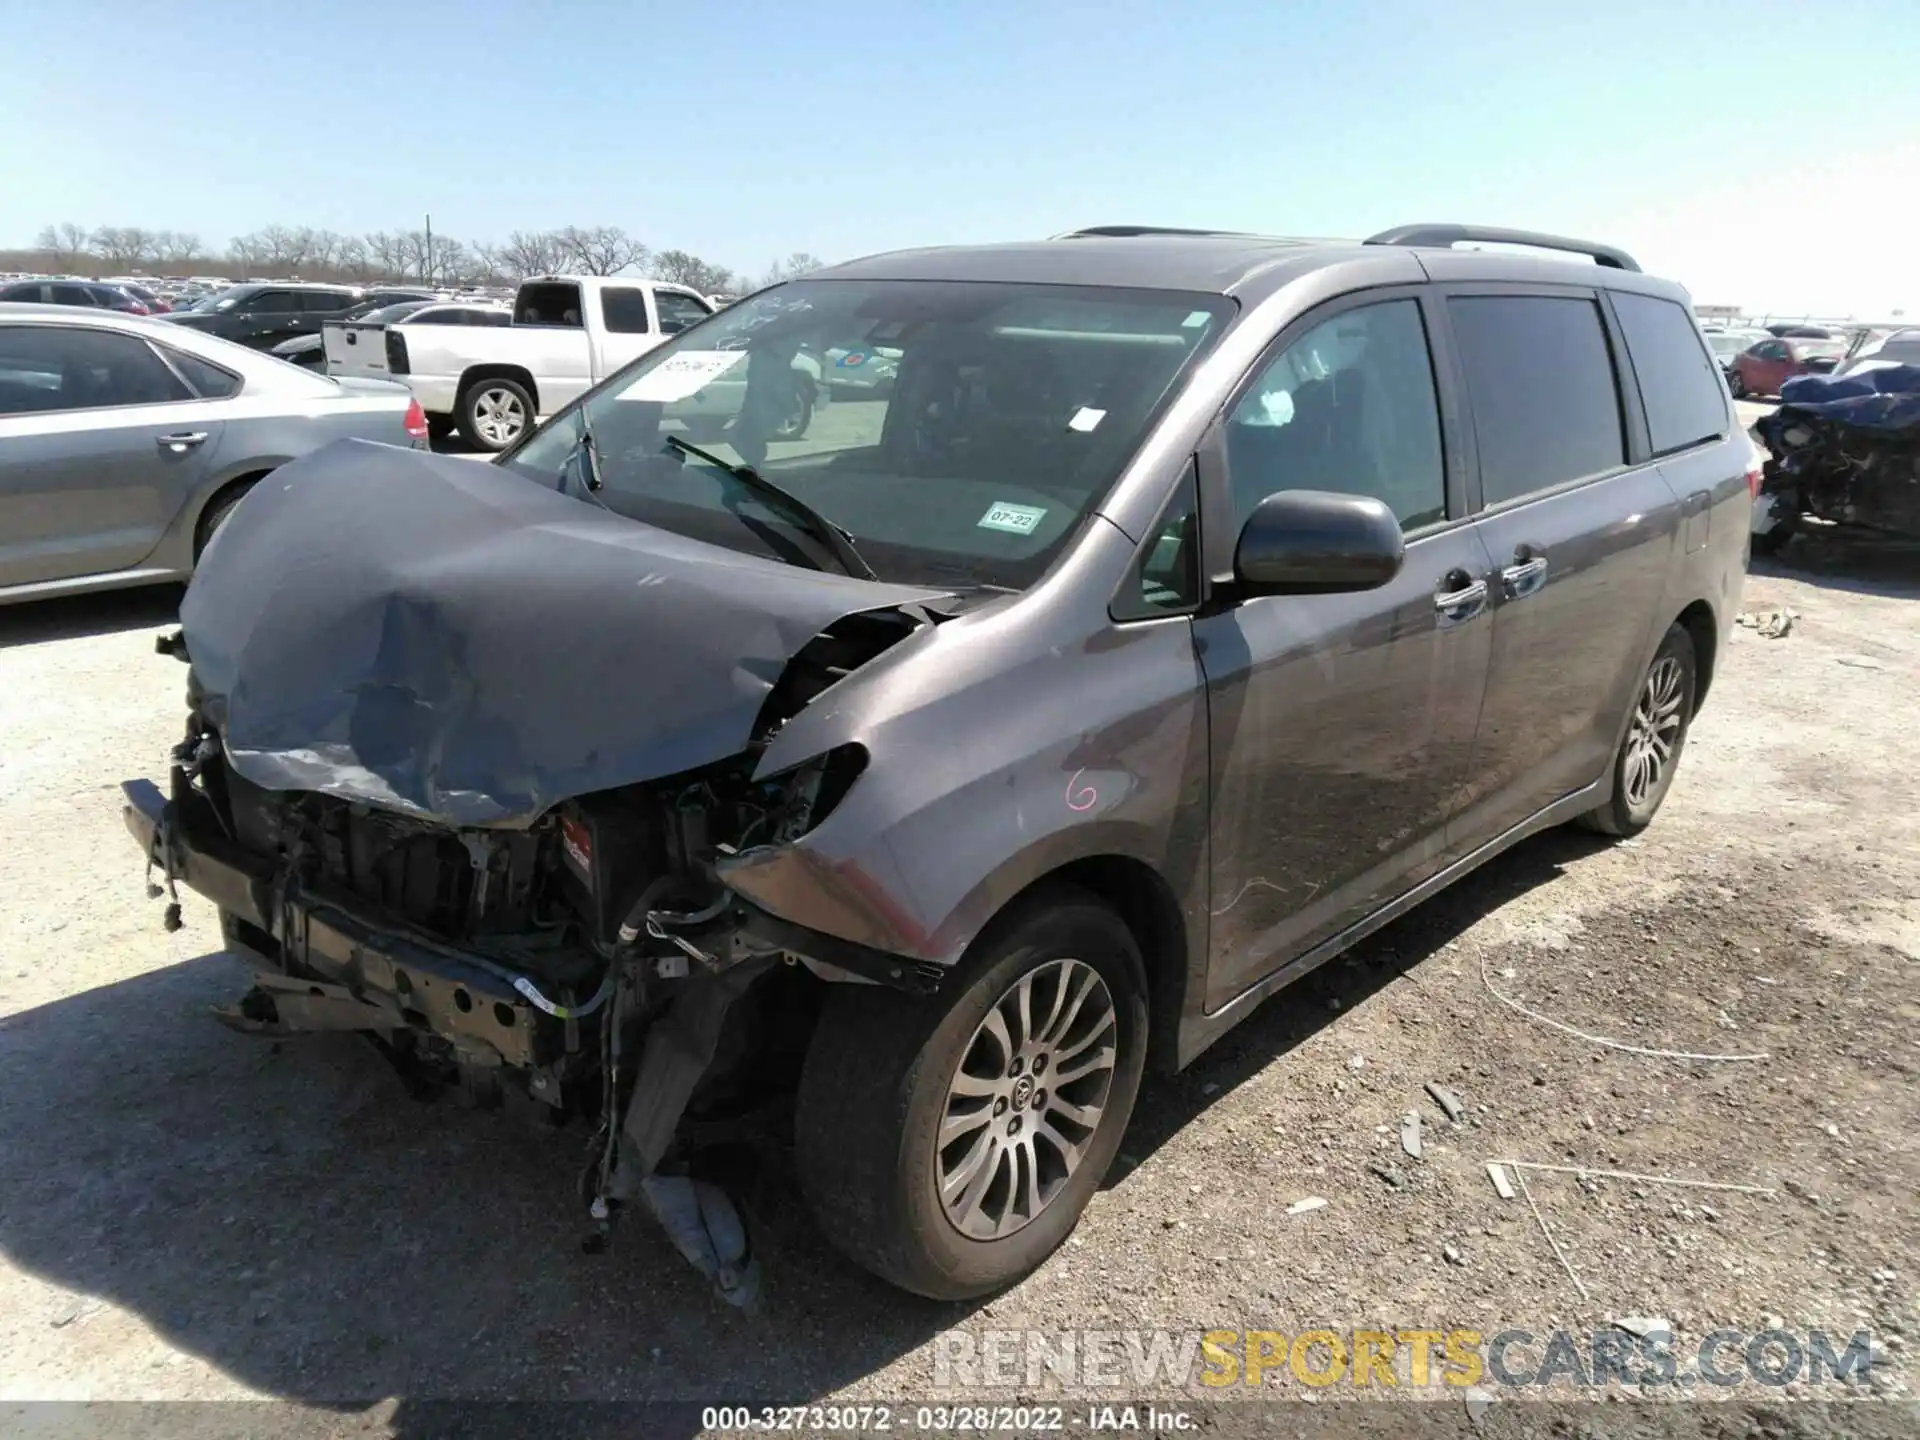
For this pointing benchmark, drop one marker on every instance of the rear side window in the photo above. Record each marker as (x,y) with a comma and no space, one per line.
(1540,379)
(678,312)
(550,302)
(324,302)
(74,295)
(1680,386)
(263,302)
(625,311)
(44,368)
(27,294)
(209,381)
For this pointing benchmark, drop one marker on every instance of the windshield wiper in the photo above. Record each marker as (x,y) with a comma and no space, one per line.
(585,458)
(811,520)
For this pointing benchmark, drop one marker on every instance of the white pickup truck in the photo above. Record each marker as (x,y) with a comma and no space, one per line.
(568,333)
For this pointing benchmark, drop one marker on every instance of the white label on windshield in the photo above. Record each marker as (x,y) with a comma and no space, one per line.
(1195,320)
(680,375)
(1014,519)
(1085,419)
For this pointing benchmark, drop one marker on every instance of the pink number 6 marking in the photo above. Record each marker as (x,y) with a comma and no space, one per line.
(1084,798)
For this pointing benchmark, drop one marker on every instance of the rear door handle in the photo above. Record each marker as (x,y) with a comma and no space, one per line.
(181,441)
(1462,598)
(1524,577)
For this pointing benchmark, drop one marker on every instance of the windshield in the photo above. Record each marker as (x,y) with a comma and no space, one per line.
(958,431)
(1821,349)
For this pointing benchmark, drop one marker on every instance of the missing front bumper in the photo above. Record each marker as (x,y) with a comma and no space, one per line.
(388,974)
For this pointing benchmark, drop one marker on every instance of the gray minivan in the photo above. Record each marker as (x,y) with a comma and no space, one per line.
(1189,606)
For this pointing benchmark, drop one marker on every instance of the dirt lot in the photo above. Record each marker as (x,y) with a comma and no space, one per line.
(185,1213)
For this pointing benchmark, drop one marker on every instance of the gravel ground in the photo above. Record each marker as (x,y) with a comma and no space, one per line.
(189,1214)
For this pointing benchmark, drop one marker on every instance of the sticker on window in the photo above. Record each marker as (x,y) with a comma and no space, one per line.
(1195,320)
(679,376)
(1085,419)
(1014,519)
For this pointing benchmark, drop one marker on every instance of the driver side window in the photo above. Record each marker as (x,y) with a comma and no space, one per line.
(1348,407)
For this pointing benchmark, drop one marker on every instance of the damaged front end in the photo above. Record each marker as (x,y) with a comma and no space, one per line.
(591,967)
(1846,451)
(572,954)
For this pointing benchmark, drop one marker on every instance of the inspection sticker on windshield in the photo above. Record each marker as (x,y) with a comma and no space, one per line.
(1014,519)
(1085,419)
(1195,320)
(680,375)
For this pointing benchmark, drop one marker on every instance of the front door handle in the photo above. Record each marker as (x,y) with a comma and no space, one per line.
(180,441)
(1460,597)
(1524,577)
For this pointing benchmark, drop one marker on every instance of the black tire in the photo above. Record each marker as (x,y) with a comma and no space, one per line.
(439,427)
(481,413)
(874,1090)
(216,513)
(1631,804)
(1773,540)
(1736,385)
(794,427)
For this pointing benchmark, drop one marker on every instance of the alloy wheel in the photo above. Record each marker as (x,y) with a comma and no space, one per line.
(499,416)
(1029,1093)
(1654,731)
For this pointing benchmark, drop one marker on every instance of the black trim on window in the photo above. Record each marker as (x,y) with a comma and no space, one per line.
(1127,605)
(1626,397)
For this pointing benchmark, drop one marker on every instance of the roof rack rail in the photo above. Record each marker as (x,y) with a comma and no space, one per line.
(1127,232)
(1443,236)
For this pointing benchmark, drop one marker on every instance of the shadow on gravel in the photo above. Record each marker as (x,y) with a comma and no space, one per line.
(1859,562)
(1304,1008)
(34,622)
(284,1211)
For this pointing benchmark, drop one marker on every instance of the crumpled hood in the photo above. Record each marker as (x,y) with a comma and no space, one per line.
(449,639)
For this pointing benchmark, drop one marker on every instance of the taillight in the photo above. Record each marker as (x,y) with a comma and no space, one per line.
(1753,481)
(416,421)
(397,353)
(137,307)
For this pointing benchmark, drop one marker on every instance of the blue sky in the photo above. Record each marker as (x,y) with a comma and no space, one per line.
(1765,154)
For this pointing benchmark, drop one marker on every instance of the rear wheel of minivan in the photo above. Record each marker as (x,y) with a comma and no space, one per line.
(1650,751)
(949,1144)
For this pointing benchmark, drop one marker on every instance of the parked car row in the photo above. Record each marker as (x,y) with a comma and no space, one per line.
(88,294)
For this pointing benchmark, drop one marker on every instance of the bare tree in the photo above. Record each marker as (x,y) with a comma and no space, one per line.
(683,268)
(387,252)
(175,247)
(602,249)
(243,254)
(530,252)
(64,244)
(799,263)
(351,257)
(450,263)
(121,247)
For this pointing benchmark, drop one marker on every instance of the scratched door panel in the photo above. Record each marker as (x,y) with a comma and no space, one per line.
(1341,726)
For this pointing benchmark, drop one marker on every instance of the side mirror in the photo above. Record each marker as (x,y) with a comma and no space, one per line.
(1314,542)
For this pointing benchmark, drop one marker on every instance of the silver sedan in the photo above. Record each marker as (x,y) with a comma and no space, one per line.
(124,442)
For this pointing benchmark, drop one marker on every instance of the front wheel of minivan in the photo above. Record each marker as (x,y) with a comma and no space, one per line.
(949,1144)
(1650,751)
